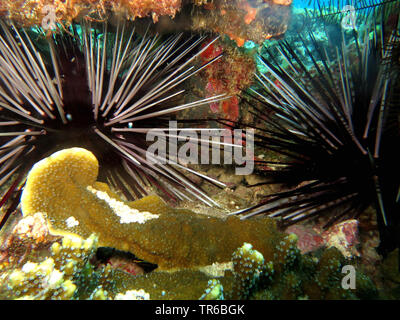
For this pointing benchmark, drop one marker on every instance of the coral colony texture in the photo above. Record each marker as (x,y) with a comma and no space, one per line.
(87,213)
(197,257)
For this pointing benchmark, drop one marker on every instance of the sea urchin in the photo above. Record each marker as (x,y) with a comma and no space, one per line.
(331,115)
(85,86)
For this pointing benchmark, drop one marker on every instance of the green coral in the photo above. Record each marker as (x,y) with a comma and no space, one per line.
(316,276)
(248,267)
(391,280)
(214,291)
(287,252)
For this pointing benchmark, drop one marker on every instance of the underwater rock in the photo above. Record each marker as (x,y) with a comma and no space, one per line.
(29,234)
(343,236)
(308,239)
(230,74)
(125,265)
(61,186)
(34,227)
(243,20)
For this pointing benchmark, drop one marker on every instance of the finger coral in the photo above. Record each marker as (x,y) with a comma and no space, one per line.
(249,267)
(214,291)
(40,281)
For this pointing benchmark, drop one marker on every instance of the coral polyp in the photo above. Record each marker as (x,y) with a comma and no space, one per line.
(97,86)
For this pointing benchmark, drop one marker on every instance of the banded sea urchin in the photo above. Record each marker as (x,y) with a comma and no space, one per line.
(89,87)
(332,116)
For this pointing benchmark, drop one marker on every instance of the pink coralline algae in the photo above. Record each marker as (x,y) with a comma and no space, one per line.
(343,236)
(126,265)
(29,234)
(308,239)
(243,20)
(230,75)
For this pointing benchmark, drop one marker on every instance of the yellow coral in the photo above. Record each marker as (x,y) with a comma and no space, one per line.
(214,291)
(40,281)
(170,238)
(60,186)
(64,275)
(66,171)
(249,266)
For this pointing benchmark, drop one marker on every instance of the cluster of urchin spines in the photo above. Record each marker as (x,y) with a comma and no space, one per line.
(108,90)
(330,128)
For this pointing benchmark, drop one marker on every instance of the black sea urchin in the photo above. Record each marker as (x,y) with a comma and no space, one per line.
(89,87)
(332,116)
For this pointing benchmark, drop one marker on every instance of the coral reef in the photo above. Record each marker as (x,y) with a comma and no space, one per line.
(390,275)
(69,274)
(242,20)
(66,273)
(197,256)
(248,267)
(61,276)
(253,277)
(61,186)
(28,13)
(315,277)
(40,281)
